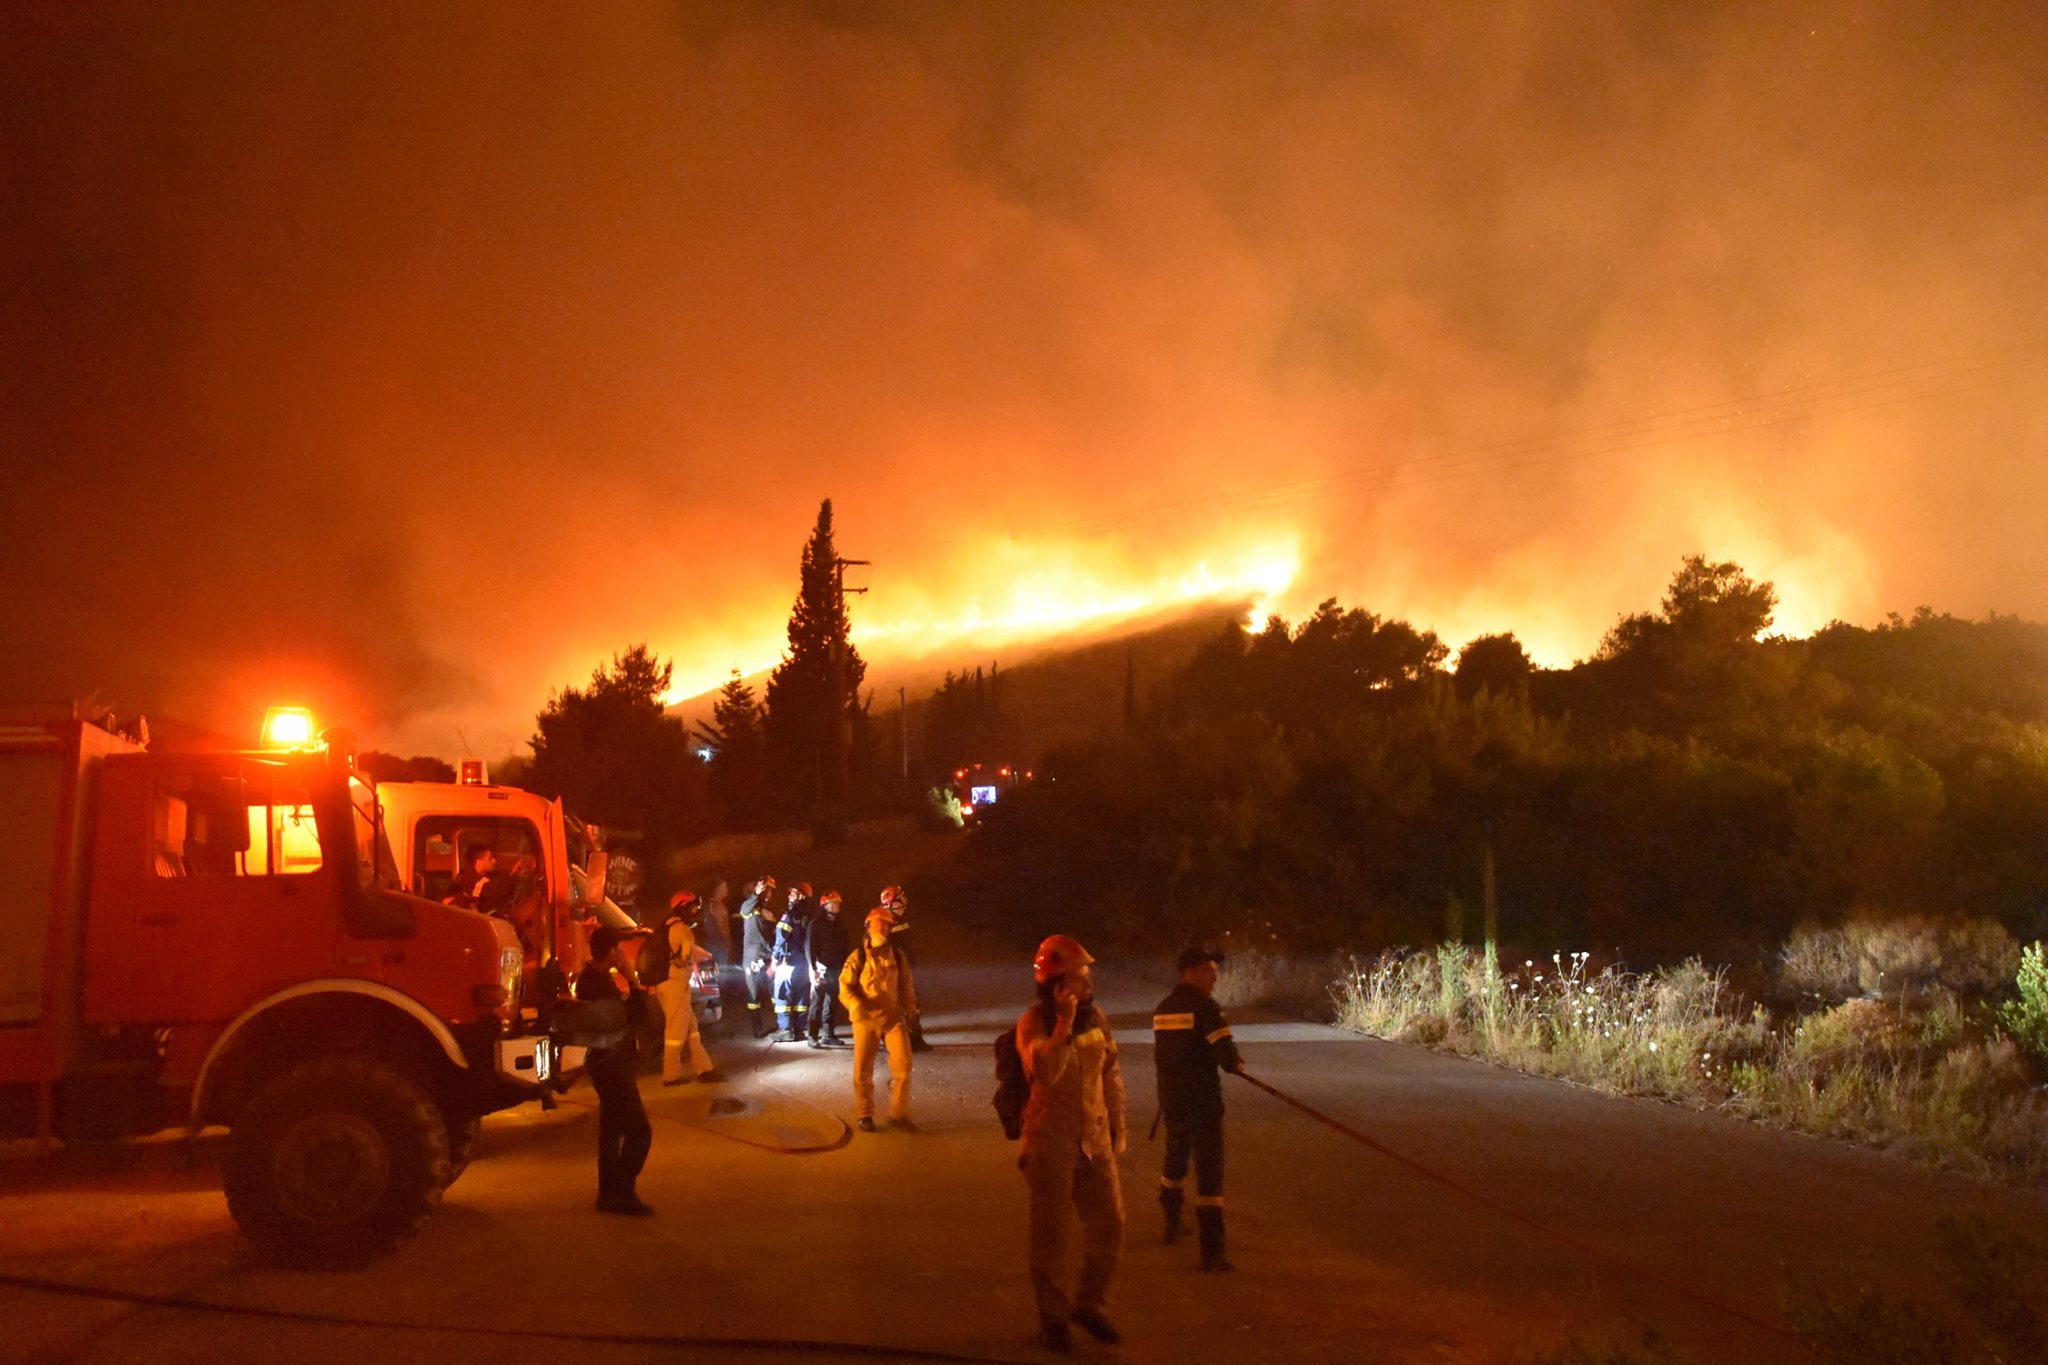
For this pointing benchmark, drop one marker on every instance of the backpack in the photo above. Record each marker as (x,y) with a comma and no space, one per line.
(1013,1087)
(657,957)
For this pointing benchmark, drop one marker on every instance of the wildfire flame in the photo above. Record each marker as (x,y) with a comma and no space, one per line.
(1024,591)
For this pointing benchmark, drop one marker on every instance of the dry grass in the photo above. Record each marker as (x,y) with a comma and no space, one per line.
(1931,1077)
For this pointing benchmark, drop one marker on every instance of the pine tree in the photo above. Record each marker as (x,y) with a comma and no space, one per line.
(814,693)
(741,785)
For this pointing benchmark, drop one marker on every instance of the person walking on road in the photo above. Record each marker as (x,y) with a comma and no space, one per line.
(876,987)
(827,950)
(897,902)
(623,1132)
(666,971)
(757,942)
(789,966)
(1073,1133)
(1191,1048)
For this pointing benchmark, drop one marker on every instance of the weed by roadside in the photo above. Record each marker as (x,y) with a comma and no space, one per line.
(1932,1075)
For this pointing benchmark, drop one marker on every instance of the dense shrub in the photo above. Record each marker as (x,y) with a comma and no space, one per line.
(1929,1077)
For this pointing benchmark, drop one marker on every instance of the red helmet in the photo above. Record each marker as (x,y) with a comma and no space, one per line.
(1057,956)
(890,895)
(682,900)
(832,898)
(801,890)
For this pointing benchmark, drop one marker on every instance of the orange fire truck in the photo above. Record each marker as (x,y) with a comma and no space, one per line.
(189,939)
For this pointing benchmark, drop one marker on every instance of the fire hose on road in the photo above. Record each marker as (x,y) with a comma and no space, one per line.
(1542,1229)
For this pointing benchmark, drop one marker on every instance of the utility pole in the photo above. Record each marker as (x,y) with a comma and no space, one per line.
(842,722)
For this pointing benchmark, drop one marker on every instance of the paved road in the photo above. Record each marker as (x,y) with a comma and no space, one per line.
(776,1224)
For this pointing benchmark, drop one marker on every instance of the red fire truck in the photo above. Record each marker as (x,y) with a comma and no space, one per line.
(191,939)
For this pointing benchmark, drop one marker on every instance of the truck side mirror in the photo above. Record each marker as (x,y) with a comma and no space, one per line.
(228,829)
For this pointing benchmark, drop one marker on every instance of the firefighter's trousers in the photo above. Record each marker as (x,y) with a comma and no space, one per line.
(792,994)
(1063,1185)
(1198,1137)
(682,1046)
(825,1007)
(869,1037)
(623,1132)
(760,997)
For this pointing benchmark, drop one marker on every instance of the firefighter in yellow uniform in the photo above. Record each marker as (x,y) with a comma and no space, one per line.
(683,1057)
(876,987)
(1073,1133)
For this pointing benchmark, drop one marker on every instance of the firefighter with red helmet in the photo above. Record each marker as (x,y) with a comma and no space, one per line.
(789,969)
(879,993)
(1191,1047)
(1073,1132)
(683,1057)
(757,940)
(826,950)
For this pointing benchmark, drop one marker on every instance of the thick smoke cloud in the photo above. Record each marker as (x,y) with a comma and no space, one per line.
(413,358)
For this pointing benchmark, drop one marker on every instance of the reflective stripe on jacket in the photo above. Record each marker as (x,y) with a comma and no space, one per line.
(1077,1086)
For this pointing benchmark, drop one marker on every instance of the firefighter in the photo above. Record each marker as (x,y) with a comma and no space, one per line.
(757,938)
(876,987)
(1073,1134)
(481,886)
(827,949)
(683,1058)
(897,902)
(787,966)
(1191,1047)
(623,1132)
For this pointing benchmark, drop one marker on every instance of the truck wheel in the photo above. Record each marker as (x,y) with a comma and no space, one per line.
(462,1131)
(334,1161)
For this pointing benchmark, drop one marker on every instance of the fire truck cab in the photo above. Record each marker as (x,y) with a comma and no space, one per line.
(190,939)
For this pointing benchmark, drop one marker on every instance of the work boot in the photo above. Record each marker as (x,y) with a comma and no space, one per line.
(754,1018)
(1209,1222)
(1170,1203)
(865,1124)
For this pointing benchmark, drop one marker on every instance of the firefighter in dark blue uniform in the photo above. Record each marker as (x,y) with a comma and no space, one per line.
(757,938)
(789,966)
(1191,1048)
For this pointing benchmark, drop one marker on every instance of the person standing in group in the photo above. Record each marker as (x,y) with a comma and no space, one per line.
(623,1132)
(666,972)
(757,942)
(789,966)
(827,950)
(1073,1132)
(1191,1047)
(897,902)
(876,987)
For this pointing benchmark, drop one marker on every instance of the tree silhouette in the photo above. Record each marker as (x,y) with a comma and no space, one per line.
(742,788)
(813,698)
(614,756)
(1497,663)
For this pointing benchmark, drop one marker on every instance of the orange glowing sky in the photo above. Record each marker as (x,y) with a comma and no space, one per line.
(409,360)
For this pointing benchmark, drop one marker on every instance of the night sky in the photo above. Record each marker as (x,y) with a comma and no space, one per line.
(408,359)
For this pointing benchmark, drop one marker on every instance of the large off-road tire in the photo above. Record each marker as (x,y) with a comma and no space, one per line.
(462,1133)
(334,1161)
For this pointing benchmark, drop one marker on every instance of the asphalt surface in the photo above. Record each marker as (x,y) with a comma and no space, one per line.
(780,1229)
